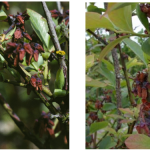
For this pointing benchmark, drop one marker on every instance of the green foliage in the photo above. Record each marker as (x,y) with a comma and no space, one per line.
(2,15)
(97,126)
(106,143)
(101,103)
(60,80)
(39,24)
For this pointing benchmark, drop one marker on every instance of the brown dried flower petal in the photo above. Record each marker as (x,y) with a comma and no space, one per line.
(28,48)
(5,4)
(18,34)
(16,60)
(11,45)
(19,18)
(50,131)
(139,90)
(22,28)
(28,58)
(33,81)
(39,47)
(36,55)
(21,54)
(50,122)
(144,93)
(39,84)
(27,36)
(18,47)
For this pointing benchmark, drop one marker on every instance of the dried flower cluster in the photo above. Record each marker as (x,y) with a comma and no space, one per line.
(5,4)
(145,8)
(141,87)
(56,14)
(35,82)
(18,50)
(43,125)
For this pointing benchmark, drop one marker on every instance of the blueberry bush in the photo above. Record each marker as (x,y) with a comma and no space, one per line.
(117,76)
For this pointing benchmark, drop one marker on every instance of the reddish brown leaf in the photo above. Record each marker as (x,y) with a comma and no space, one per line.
(138,141)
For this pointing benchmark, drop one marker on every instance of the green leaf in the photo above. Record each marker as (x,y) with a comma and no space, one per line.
(108,74)
(10,33)
(92,8)
(142,17)
(59,93)
(145,46)
(138,141)
(115,116)
(94,83)
(108,64)
(89,61)
(133,62)
(135,48)
(106,143)
(45,55)
(109,106)
(121,17)
(97,126)
(126,111)
(115,6)
(2,15)
(110,46)
(60,79)
(39,25)
(94,21)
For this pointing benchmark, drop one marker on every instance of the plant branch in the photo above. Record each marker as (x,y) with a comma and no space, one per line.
(26,77)
(59,7)
(52,31)
(28,134)
(126,76)
(15,83)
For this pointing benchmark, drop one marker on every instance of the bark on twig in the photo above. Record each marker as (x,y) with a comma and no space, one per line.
(28,134)
(59,7)
(126,76)
(52,31)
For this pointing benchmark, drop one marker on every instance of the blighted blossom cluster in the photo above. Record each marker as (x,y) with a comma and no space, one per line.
(141,87)
(43,125)
(18,48)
